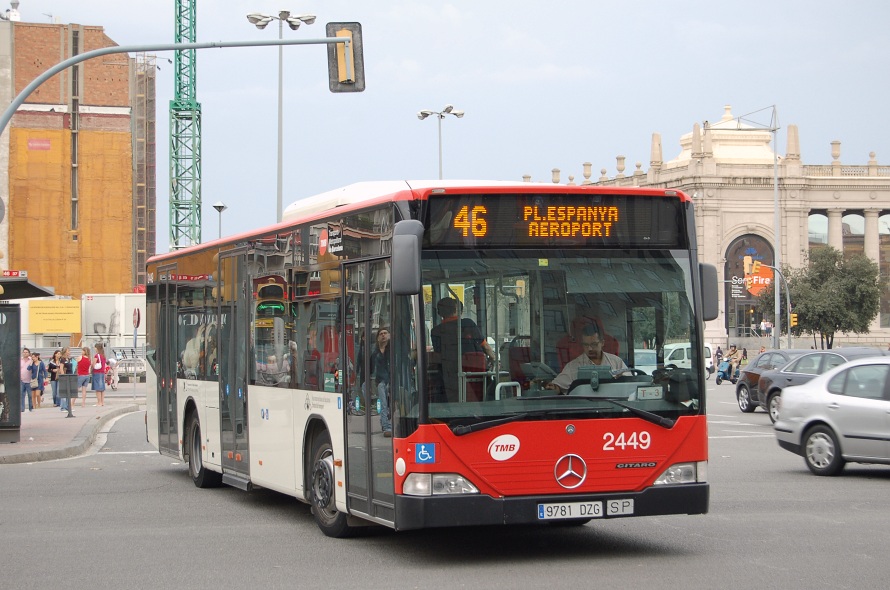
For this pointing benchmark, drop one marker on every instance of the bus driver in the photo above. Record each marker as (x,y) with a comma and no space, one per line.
(592,343)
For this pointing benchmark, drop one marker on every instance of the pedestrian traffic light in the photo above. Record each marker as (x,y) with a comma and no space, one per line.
(793,319)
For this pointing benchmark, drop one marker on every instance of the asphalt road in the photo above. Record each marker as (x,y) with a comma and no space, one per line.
(126,517)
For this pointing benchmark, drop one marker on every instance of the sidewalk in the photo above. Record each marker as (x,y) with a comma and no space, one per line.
(48,434)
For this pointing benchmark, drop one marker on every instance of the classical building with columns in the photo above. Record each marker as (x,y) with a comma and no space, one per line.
(729,168)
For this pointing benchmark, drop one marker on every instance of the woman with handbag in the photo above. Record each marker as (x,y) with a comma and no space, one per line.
(36,380)
(100,366)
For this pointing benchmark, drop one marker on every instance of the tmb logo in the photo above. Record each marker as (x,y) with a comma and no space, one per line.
(503,447)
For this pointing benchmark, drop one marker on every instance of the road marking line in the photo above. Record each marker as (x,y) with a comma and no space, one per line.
(743,436)
(128,452)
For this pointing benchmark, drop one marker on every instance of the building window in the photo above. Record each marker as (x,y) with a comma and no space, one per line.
(853,231)
(817,230)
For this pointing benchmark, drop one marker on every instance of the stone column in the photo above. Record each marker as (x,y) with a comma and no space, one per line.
(836,229)
(872,239)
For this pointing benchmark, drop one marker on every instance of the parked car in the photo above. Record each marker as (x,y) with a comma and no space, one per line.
(801,370)
(839,417)
(128,369)
(746,386)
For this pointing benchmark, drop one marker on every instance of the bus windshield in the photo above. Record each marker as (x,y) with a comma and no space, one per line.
(557,333)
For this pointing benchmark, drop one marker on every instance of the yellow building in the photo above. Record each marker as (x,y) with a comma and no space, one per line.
(77,186)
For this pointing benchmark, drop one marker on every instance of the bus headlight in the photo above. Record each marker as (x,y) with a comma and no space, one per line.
(437,484)
(680,473)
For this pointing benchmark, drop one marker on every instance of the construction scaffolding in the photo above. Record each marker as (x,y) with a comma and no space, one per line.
(144,120)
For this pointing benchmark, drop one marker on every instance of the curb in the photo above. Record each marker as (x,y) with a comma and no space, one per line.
(77,446)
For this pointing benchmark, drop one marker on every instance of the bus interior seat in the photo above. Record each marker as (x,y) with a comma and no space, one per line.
(474,362)
(330,348)
(519,355)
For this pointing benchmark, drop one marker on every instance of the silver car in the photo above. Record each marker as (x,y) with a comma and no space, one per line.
(840,416)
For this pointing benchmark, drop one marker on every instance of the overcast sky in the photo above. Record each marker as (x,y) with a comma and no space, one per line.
(544,85)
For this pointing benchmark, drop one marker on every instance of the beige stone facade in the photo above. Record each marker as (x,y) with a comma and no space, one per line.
(729,168)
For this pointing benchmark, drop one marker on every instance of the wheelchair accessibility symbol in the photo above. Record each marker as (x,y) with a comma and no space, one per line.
(425,453)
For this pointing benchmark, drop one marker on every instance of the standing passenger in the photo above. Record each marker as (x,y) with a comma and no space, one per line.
(380,372)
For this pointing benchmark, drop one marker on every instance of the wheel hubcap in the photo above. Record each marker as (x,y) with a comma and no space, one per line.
(195,455)
(820,450)
(774,403)
(323,482)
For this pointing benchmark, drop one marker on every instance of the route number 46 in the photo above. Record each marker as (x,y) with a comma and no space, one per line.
(472,221)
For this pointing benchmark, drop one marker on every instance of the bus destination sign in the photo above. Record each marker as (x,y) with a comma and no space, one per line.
(528,220)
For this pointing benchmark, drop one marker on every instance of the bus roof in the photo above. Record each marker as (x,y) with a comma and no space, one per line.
(363,194)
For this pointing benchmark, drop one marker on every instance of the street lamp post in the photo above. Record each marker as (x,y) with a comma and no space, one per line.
(787,303)
(220,207)
(448,110)
(294,22)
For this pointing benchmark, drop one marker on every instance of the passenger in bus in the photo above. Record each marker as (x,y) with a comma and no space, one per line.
(453,341)
(592,342)
(380,374)
(312,365)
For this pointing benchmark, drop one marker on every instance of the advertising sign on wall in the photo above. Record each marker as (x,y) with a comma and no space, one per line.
(54,316)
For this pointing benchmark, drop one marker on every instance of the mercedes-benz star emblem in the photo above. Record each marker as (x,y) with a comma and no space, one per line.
(570,471)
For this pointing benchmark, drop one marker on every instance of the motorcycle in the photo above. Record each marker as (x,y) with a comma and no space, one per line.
(723,370)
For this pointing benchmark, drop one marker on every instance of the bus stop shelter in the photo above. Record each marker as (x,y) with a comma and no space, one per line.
(11,352)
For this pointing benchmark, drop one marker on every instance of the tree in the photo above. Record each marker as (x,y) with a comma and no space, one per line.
(831,294)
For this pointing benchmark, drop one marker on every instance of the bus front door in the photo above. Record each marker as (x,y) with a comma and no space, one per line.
(366,312)
(234,297)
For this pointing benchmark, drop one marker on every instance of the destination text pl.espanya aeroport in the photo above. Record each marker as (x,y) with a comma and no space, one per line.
(568,222)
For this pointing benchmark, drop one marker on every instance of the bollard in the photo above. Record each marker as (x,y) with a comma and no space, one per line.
(68,386)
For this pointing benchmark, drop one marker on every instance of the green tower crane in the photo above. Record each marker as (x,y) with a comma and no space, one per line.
(185,137)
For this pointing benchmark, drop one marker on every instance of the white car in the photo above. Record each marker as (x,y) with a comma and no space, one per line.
(840,416)
(680,355)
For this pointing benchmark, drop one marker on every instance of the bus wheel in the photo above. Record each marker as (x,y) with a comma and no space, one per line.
(203,477)
(321,490)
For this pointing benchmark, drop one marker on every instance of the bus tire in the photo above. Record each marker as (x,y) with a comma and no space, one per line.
(201,476)
(322,488)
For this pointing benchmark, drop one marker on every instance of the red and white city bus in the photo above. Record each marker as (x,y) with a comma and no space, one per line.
(415,338)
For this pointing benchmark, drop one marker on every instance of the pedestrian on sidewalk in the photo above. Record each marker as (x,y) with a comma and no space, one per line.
(83,374)
(65,368)
(38,387)
(53,368)
(100,367)
(25,376)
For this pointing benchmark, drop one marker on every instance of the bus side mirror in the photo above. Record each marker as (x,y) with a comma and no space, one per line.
(407,239)
(710,299)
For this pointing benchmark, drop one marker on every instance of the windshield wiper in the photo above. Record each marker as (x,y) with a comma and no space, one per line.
(648,416)
(462,430)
